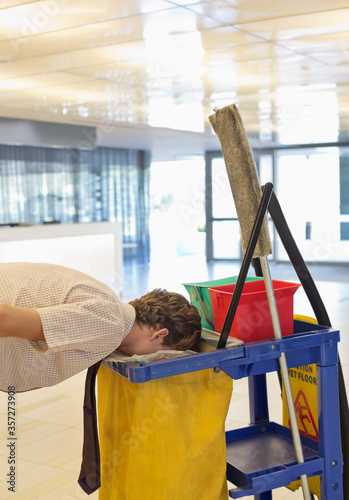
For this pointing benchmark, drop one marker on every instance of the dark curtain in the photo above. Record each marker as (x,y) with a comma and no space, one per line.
(56,185)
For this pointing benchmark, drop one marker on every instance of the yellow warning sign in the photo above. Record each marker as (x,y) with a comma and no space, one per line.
(303,385)
(304,391)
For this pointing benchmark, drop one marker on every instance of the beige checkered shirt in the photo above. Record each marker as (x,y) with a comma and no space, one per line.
(83,322)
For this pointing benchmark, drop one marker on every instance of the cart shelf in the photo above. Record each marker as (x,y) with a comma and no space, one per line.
(262,457)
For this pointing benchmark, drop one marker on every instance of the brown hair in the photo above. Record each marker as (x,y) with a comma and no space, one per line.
(163,309)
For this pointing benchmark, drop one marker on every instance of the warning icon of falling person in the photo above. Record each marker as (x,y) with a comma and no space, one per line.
(306,422)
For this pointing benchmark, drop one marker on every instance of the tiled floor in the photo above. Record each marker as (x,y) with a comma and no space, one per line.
(49,421)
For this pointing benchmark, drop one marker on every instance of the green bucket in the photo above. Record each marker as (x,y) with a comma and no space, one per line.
(200,296)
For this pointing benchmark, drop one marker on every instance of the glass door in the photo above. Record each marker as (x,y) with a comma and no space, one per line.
(312,191)
(222,221)
(222,225)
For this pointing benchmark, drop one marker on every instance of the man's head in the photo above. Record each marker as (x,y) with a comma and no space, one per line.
(164,320)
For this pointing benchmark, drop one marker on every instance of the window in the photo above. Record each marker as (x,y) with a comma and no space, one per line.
(46,185)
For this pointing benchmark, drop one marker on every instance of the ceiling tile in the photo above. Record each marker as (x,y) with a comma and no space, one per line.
(244,11)
(184,2)
(34,18)
(113,71)
(73,59)
(306,25)
(226,36)
(43,80)
(315,45)
(249,52)
(5,4)
(332,57)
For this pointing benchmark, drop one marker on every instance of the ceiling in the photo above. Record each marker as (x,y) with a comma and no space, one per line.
(150,72)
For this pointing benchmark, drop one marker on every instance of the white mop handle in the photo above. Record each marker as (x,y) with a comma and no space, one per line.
(284,374)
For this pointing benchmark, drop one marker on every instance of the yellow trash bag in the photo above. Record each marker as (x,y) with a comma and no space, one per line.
(303,384)
(163,439)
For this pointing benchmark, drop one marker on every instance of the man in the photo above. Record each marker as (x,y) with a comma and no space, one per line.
(56,322)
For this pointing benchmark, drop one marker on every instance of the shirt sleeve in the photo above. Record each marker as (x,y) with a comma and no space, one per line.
(88,326)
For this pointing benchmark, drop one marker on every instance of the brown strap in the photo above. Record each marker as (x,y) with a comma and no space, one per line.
(90,474)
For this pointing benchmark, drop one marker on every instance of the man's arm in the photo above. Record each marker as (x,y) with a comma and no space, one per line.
(21,322)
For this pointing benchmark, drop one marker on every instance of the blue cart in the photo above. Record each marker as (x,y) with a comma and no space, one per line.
(261,457)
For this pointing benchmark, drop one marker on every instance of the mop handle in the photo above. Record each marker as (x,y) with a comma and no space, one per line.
(284,374)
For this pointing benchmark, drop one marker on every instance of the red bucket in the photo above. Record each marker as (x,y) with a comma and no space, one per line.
(252,320)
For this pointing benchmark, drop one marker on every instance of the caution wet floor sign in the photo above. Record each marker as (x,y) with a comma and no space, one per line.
(304,390)
(303,384)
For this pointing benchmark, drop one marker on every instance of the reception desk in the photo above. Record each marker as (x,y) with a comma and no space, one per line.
(93,248)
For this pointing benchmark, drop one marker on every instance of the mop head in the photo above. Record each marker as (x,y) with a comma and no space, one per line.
(242,173)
